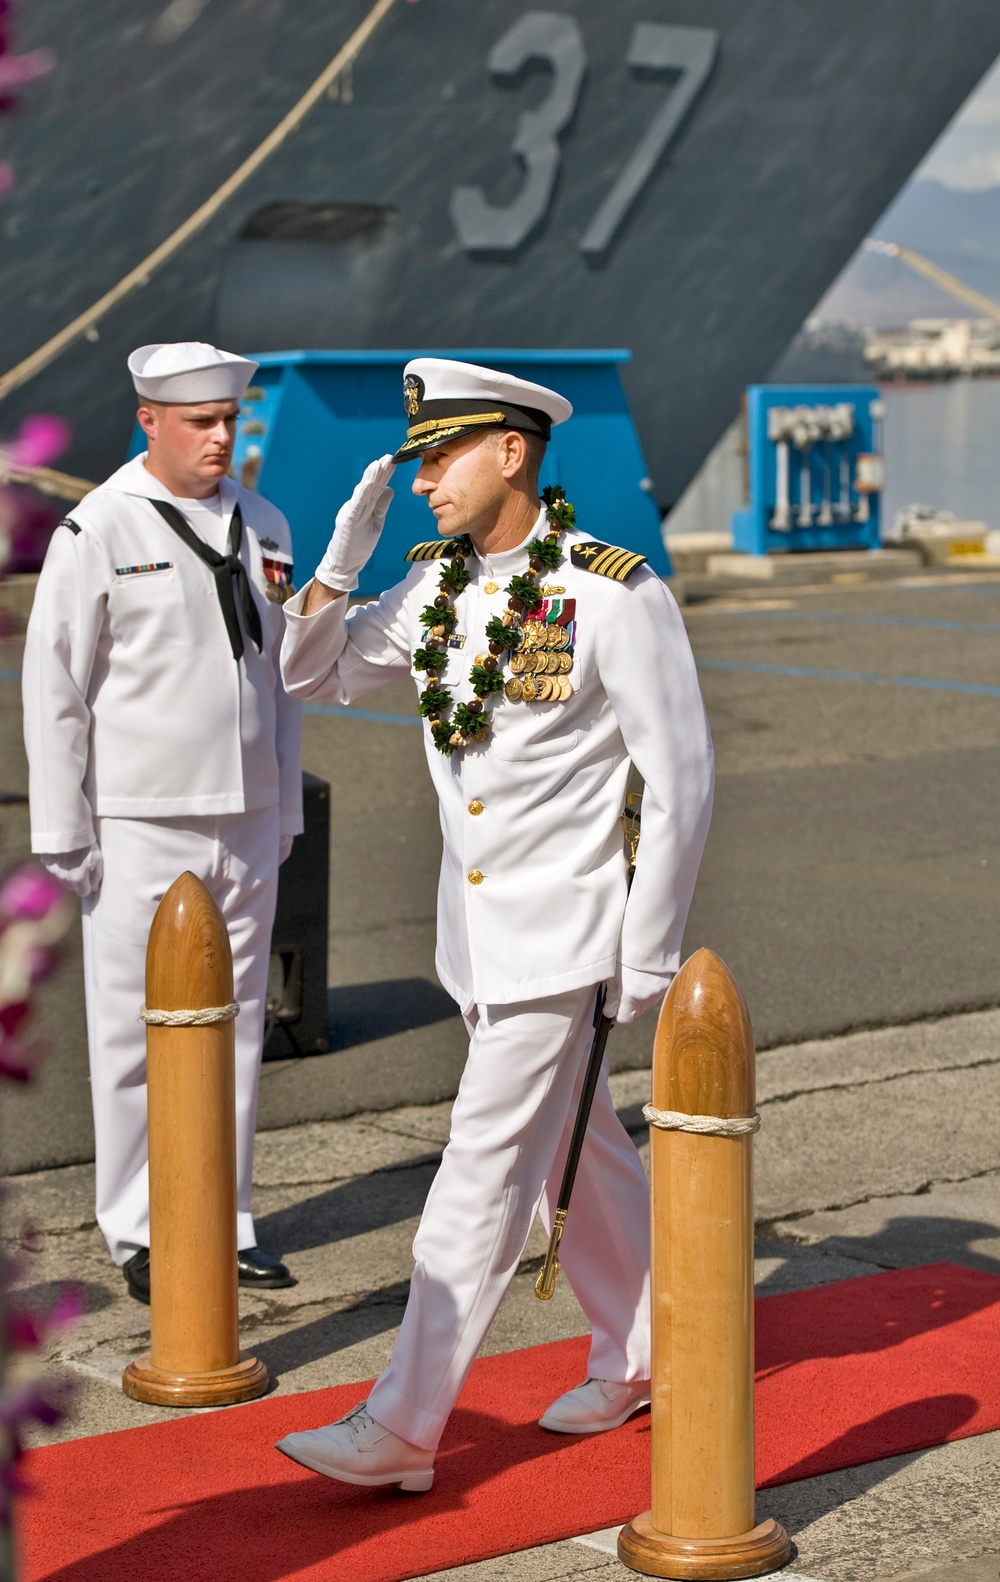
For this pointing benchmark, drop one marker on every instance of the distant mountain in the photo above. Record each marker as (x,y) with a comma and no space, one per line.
(956,229)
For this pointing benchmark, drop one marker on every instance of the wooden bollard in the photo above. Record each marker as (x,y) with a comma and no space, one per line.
(702,1521)
(194,1357)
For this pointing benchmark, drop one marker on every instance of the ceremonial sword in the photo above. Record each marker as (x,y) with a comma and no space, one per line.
(545,1285)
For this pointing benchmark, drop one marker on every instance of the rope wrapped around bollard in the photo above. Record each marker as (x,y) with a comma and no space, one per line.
(194,1357)
(702,1122)
(703,1125)
(206,1018)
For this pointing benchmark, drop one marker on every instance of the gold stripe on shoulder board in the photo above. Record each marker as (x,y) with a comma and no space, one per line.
(611,562)
(607,560)
(434,549)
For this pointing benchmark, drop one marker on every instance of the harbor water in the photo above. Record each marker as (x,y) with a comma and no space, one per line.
(942,448)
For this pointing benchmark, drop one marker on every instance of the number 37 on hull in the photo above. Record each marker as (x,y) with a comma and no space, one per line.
(686,55)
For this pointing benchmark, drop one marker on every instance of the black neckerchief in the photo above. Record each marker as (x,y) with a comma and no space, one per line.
(224,569)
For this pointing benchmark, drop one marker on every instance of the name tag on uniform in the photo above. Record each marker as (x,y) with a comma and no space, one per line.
(138,571)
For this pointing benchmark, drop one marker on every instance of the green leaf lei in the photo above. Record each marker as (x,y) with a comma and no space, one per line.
(470,723)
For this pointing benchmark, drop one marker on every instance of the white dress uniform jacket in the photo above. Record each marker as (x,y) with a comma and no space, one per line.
(551,778)
(134,705)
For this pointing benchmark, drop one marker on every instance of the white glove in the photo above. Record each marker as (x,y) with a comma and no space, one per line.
(284,847)
(630,992)
(80,871)
(357,529)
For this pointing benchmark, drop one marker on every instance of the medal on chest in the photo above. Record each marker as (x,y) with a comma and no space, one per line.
(278,571)
(539,671)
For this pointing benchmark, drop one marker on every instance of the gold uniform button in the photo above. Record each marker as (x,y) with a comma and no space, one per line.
(475,877)
(491,587)
(475,808)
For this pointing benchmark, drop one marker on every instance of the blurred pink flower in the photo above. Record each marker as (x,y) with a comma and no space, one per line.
(28,1330)
(16,70)
(13,1014)
(20,1062)
(30,893)
(21,1402)
(35,913)
(40,439)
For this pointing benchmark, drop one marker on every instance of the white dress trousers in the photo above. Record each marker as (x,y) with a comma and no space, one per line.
(235,856)
(510,1133)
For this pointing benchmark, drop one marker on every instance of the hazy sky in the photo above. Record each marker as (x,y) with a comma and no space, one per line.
(967,155)
(965,160)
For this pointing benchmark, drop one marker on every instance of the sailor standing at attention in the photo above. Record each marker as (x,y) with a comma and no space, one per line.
(547,663)
(160,739)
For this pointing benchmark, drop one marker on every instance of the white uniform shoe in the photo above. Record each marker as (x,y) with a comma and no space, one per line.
(358,1450)
(595,1406)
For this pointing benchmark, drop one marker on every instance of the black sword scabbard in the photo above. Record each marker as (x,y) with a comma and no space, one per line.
(545,1285)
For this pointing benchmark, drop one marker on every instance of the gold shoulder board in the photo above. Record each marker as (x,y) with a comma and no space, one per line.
(435,549)
(606,560)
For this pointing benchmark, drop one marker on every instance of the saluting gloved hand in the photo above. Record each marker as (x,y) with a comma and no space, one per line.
(80,871)
(357,529)
(630,992)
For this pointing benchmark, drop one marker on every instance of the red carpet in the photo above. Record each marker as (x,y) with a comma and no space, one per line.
(847,1373)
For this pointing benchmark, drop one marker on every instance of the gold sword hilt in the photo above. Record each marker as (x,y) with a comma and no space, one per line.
(545,1285)
(631,822)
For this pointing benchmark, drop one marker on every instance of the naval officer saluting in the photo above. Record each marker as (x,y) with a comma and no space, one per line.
(160,739)
(547,662)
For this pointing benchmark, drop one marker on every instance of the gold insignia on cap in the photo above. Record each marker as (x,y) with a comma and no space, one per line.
(606,560)
(411,394)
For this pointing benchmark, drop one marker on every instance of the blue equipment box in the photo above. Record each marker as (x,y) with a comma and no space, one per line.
(816,470)
(312,421)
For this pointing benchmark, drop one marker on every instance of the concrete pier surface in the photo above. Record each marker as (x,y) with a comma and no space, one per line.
(851,885)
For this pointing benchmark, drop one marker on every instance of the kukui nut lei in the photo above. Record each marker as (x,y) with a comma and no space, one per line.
(470,722)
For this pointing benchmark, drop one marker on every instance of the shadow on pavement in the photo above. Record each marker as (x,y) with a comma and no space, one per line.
(904,1242)
(803,1498)
(334,1332)
(933,1420)
(352,1208)
(361,1013)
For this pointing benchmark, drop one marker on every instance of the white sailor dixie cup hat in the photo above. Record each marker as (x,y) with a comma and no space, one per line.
(189,371)
(445,400)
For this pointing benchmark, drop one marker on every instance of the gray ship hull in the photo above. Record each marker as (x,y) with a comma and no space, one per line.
(684,179)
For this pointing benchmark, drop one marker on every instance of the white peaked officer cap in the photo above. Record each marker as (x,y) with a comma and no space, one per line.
(445,400)
(189,371)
